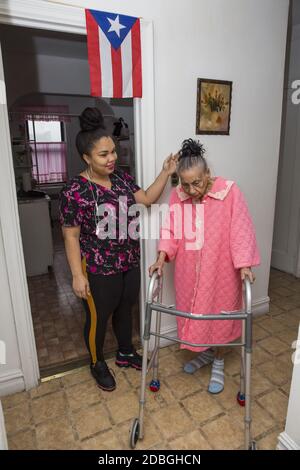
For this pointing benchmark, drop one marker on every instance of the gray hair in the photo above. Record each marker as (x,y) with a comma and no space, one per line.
(190,162)
(191,155)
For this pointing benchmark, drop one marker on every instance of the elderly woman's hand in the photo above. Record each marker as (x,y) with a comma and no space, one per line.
(246,272)
(170,163)
(159,265)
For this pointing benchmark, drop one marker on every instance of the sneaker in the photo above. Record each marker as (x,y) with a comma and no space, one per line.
(103,376)
(129,360)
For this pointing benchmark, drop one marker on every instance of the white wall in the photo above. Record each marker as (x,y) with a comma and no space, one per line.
(286,242)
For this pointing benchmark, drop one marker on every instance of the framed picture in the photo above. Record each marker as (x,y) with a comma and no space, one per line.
(213,106)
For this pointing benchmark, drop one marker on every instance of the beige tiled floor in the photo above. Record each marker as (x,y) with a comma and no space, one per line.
(72,413)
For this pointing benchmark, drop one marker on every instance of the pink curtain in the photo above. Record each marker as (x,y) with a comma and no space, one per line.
(50,159)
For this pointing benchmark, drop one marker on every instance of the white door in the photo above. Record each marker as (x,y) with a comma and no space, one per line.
(21,368)
(286,240)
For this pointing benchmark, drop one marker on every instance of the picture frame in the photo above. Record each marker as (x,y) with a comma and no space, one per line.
(213,106)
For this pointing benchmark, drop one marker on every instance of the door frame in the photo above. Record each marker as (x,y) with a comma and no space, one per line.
(63,18)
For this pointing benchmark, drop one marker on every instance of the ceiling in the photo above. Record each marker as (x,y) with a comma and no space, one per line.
(36,41)
(296,11)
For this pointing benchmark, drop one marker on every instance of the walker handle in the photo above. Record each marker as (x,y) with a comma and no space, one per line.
(150,294)
(155,277)
(248,295)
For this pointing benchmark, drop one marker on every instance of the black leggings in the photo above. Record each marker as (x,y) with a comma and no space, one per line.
(110,295)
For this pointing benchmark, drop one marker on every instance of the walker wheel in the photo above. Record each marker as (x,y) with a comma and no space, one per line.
(134,433)
(154,385)
(253,446)
(240,399)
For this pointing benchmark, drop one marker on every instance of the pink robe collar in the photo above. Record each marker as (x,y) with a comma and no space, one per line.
(219,190)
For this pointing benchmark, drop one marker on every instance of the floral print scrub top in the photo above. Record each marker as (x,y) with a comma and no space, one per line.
(79,201)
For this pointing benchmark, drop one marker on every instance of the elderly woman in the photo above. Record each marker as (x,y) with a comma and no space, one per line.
(209,269)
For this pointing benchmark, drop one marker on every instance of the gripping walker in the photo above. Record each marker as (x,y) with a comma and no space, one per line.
(153,303)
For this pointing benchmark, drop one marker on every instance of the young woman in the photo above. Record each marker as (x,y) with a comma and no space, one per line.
(105,265)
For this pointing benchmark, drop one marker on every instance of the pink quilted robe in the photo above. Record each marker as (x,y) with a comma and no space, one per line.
(207,279)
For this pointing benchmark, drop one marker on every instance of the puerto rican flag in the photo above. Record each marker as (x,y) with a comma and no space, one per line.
(114,53)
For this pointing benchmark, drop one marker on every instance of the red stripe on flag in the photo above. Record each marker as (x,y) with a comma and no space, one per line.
(116,63)
(93,54)
(136,59)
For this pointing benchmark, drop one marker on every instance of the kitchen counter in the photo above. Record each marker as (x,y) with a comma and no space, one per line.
(36,234)
(32,200)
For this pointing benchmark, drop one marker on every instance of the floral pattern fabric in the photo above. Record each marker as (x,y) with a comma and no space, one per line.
(79,201)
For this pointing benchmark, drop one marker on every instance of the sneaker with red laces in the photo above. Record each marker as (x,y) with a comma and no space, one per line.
(129,360)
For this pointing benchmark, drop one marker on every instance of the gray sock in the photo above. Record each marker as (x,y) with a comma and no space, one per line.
(204,358)
(216,384)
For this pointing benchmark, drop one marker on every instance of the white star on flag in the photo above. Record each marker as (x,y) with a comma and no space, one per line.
(115,25)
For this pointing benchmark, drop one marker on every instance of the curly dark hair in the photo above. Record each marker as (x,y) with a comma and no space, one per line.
(191,154)
(92,129)
(191,148)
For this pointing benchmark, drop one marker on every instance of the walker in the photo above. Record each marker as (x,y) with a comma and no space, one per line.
(153,303)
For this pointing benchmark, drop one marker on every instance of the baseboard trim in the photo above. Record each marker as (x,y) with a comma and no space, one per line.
(261,306)
(285,442)
(11,382)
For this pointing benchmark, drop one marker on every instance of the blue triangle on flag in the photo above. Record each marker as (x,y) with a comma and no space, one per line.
(114,26)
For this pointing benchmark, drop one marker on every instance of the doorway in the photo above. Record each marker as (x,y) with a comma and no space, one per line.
(43,127)
(286,238)
(144,144)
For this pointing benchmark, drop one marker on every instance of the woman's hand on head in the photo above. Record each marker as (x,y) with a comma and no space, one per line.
(170,164)
(81,286)
(246,272)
